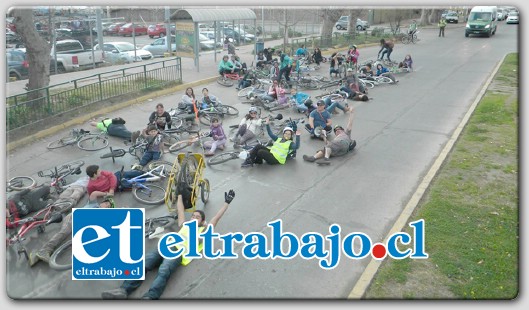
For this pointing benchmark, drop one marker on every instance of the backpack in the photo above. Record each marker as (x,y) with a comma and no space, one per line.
(115,121)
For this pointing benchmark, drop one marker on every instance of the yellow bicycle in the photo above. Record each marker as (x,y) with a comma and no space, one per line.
(188,168)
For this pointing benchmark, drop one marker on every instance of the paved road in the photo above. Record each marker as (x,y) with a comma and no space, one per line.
(399,135)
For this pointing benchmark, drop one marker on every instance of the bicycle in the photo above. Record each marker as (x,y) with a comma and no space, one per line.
(191,173)
(20,183)
(227,156)
(227,79)
(183,116)
(52,213)
(150,194)
(215,111)
(58,174)
(84,139)
(407,38)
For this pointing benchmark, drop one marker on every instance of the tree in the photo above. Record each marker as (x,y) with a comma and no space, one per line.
(37,50)
(329,17)
(424,17)
(286,23)
(353,16)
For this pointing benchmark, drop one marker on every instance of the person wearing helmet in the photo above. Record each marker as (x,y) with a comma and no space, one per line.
(339,146)
(319,118)
(247,127)
(282,148)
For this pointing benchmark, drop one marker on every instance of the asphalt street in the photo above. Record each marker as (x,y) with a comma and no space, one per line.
(399,134)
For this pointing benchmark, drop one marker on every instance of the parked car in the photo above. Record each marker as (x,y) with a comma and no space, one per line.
(501,15)
(513,18)
(157,30)
(343,22)
(158,47)
(123,52)
(14,40)
(113,30)
(104,26)
(130,29)
(209,34)
(17,63)
(237,36)
(207,43)
(71,55)
(452,17)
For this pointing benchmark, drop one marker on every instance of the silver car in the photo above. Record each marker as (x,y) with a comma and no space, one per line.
(159,46)
(123,52)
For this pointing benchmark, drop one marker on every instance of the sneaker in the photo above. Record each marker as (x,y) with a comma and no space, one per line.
(118,293)
(309,158)
(137,167)
(146,297)
(33,259)
(323,161)
(209,154)
(247,163)
(43,256)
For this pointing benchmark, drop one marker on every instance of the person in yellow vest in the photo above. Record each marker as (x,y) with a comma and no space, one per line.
(166,266)
(282,149)
(442,25)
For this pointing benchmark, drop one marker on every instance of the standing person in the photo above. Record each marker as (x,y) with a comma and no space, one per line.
(154,147)
(218,135)
(353,54)
(316,56)
(160,118)
(279,152)
(188,99)
(285,67)
(274,71)
(442,25)
(114,127)
(166,267)
(336,61)
(247,127)
(386,48)
(101,183)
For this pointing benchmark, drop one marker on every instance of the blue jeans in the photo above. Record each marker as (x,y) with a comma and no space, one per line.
(267,97)
(330,106)
(166,267)
(119,130)
(148,156)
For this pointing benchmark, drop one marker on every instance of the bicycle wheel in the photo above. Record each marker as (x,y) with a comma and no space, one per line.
(64,206)
(335,97)
(406,39)
(93,143)
(367,83)
(414,39)
(62,142)
(384,80)
(169,139)
(229,110)
(180,145)
(205,118)
(151,195)
(61,259)
(20,183)
(188,170)
(114,153)
(222,158)
(245,91)
(204,190)
(225,81)
(152,224)
(75,164)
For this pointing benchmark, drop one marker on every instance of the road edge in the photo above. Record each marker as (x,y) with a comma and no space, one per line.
(371,270)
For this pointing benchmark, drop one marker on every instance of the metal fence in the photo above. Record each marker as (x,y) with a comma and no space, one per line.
(65,97)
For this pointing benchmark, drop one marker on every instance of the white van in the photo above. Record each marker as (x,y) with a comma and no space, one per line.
(482,20)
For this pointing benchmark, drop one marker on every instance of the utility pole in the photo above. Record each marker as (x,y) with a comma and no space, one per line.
(168,36)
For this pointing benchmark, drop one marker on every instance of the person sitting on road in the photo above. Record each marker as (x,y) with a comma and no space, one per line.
(407,63)
(237,65)
(274,71)
(279,152)
(260,60)
(336,61)
(246,80)
(155,147)
(113,127)
(351,85)
(383,71)
(208,100)
(188,100)
(160,118)
(339,146)
(166,267)
(219,138)
(319,118)
(366,72)
(269,54)
(274,92)
(102,183)
(301,101)
(226,66)
(25,202)
(247,127)
(386,48)
(316,56)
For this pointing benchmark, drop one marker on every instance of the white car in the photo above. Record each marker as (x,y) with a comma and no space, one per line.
(158,47)
(123,52)
(513,18)
(206,43)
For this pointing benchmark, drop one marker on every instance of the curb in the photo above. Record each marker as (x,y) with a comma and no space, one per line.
(83,118)
(371,270)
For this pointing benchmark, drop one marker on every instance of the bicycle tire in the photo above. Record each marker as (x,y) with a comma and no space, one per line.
(188,169)
(229,110)
(155,196)
(414,39)
(204,190)
(180,145)
(245,91)
(153,223)
(62,142)
(224,81)
(405,39)
(222,158)
(169,139)
(93,143)
(114,153)
(75,164)
(384,80)
(21,183)
(61,259)
(334,97)
(205,118)
(167,166)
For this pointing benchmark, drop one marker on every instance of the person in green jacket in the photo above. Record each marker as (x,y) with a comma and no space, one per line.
(442,25)
(114,128)
(225,65)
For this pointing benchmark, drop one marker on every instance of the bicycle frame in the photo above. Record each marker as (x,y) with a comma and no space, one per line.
(146,177)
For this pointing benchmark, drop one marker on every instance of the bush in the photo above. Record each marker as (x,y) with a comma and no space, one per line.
(275,35)
(377,32)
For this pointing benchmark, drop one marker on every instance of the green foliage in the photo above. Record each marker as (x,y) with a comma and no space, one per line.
(377,32)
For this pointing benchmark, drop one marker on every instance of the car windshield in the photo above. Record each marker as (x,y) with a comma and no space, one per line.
(513,14)
(124,47)
(480,16)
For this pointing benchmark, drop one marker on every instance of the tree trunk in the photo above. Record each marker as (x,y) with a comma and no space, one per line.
(285,35)
(329,17)
(424,17)
(37,50)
